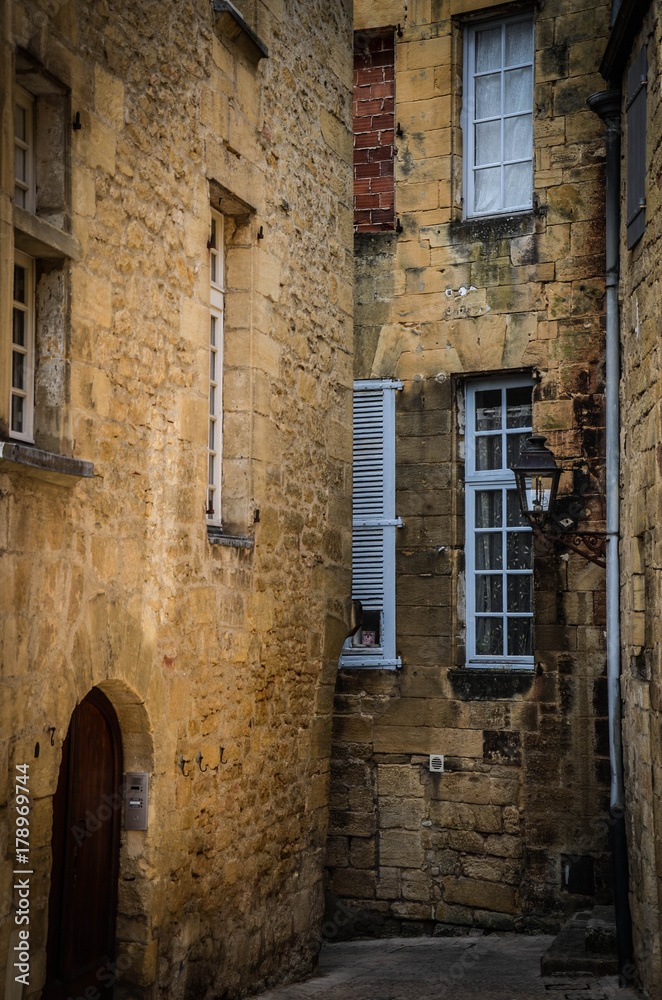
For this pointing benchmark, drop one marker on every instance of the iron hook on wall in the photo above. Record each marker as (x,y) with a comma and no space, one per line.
(198,760)
(180,764)
(221,761)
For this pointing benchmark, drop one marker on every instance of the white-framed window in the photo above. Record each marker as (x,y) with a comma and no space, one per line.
(215,420)
(24,165)
(374,524)
(498,551)
(498,116)
(21,401)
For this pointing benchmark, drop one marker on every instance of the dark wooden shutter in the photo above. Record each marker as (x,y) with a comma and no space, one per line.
(636,167)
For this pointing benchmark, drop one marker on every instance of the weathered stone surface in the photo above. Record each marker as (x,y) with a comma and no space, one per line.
(112,582)
(448,299)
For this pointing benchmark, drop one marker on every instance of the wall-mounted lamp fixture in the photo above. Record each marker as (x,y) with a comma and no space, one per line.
(553,518)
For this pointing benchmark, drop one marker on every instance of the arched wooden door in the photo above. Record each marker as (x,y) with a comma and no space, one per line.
(86,832)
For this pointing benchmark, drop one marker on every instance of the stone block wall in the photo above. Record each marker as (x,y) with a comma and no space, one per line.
(525,791)
(112,581)
(641,491)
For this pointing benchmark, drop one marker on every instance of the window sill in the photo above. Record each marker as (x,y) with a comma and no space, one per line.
(58,469)
(358,663)
(494,227)
(38,238)
(216,537)
(490,683)
(231,25)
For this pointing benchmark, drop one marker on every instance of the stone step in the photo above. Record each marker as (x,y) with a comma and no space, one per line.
(585,944)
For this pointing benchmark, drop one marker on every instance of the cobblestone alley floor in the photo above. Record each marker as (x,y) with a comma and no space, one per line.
(494,967)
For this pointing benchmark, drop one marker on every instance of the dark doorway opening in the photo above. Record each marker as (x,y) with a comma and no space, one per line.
(82,908)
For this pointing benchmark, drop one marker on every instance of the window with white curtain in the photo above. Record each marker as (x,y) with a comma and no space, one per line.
(215,418)
(499,556)
(498,116)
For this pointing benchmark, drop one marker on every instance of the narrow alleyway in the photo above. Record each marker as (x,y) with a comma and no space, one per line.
(494,967)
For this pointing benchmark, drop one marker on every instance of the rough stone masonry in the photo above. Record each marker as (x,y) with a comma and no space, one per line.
(112,581)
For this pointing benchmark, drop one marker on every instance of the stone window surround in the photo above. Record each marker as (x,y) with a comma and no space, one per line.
(492,10)
(468,104)
(41,233)
(232,530)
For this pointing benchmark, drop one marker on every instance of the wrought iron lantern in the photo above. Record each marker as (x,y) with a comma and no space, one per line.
(537,477)
(553,518)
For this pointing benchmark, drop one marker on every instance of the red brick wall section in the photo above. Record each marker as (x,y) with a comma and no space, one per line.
(374,130)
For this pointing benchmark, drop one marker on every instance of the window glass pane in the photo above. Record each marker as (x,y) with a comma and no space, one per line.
(517,90)
(17,413)
(518,549)
(514,516)
(20,163)
(20,123)
(489,636)
(520,593)
(517,137)
(18,362)
(18,335)
(20,281)
(488,49)
(519,408)
(514,443)
(213,267)
(488,452)
(519,43)
(488,509)
(489,593)
(488,95)
(213,231)
(212,365)
(487,190)
(19,197)
(210,503)
(211,468)
(212,434)
(520,637)
(488,143)
(212,399)
(488,550)
(518,184)
(212,332)
(488,410)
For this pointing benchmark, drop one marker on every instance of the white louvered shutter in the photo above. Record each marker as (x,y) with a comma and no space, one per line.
(374,524)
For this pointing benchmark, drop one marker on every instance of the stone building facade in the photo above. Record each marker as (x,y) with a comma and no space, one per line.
(175,227)
(479,311)
(631,66)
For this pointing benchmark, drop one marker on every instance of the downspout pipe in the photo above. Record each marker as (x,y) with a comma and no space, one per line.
(607,105)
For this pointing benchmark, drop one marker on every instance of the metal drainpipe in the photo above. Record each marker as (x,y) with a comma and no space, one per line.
(607,105)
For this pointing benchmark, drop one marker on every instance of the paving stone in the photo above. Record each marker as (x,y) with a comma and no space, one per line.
(488,967)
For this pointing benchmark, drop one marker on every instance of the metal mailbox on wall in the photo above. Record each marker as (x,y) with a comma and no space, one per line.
(136,794)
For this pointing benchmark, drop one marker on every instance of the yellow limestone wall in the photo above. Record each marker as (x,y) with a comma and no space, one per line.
(446,298)
(112,581)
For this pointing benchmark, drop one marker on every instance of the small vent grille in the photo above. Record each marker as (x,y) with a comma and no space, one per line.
(436,763)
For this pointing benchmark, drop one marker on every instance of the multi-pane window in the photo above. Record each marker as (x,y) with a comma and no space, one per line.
(499,559)
(215,427)
(24,172)
(498,116)
(21,402)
